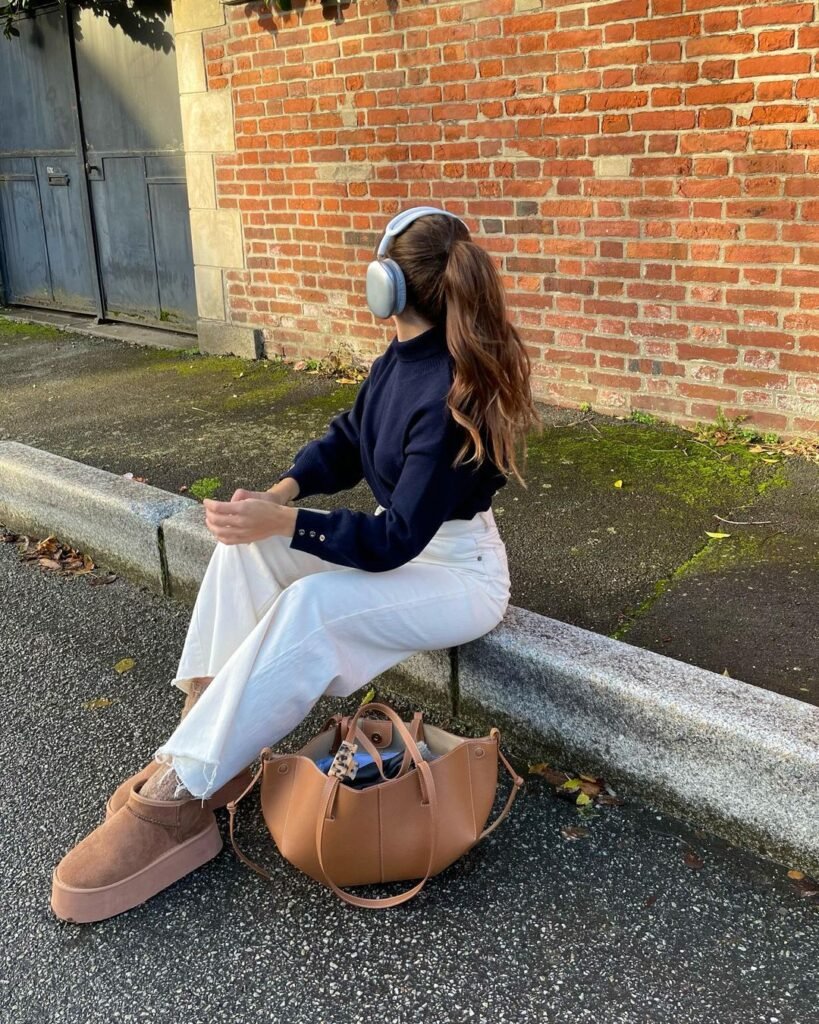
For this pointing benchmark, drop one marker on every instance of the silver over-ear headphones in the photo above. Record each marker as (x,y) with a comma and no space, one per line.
(386,287)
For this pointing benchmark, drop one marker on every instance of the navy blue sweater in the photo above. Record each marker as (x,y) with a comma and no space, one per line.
(401,437)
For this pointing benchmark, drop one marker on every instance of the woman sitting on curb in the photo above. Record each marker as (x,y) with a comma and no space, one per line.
(300,602)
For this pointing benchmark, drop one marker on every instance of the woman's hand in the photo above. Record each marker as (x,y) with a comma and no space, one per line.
(249,519)
(241,495)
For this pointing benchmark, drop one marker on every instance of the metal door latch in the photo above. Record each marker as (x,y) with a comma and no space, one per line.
(56,176)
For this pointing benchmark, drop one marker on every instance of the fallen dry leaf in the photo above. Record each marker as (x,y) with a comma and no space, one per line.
(551,775)
(583,790)
(95,581)
(53,555)
(97,702)
(692,859)
(591,787)
(808,888)
(573,832)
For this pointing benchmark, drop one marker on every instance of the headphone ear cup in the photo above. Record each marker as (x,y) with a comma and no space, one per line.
(380,290)
(399,287)
(386,288)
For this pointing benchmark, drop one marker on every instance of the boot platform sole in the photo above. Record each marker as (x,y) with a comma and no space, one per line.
(83,906)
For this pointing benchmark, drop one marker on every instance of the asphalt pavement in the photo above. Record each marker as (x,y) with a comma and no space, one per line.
(614,928)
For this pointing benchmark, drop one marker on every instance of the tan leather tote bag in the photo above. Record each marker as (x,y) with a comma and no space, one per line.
(408,827)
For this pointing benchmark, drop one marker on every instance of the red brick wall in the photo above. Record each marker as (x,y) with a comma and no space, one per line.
(644,171)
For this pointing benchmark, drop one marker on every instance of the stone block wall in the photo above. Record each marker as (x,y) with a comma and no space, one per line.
(209,131)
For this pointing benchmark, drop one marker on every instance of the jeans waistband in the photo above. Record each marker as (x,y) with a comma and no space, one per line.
(482,523)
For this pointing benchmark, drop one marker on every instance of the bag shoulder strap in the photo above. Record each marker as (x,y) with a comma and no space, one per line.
(232,806)
(517,785)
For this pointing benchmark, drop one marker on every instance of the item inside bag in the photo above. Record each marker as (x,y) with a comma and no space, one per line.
(366,770)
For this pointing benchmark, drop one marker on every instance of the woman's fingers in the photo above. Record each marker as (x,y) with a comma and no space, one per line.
(239,522)
(224,511)
(225,520)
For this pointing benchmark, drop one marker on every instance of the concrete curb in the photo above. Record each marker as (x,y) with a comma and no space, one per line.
(743,759)
(112,518)
(740,760)
(188,545)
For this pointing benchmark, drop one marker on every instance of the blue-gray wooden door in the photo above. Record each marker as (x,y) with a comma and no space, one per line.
(93,199)
(47,252)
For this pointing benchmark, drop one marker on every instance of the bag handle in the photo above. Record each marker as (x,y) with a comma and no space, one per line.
(408,735)
(364,741)
(517,784)
(429,797)
(415,729)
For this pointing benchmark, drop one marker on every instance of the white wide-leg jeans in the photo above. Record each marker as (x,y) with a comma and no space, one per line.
(277,628)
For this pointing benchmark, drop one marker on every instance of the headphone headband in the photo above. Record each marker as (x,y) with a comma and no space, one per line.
(386,286)
(404,219)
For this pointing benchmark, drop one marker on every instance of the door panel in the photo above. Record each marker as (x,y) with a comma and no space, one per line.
(65,233)
(122,218)
(44,234)
(174,254)
(125,175)
(24,252)
(129,98)
(37,86)
(128,85)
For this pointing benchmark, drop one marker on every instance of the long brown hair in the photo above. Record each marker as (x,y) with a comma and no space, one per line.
(453,281)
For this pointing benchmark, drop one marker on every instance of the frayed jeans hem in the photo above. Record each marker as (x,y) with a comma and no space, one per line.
(195,776)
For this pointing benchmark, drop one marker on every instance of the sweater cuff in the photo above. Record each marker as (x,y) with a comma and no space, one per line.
(311,531)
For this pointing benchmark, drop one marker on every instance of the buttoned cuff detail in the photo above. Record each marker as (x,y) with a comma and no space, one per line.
(311,532)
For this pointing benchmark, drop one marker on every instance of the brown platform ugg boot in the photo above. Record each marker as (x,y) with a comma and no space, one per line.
(140,850)
(231,789)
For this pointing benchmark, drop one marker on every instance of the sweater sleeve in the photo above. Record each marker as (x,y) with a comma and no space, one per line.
(425,494)
(332,463)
